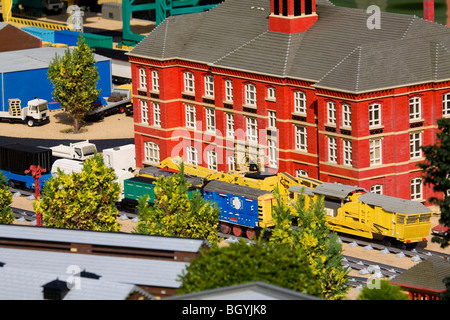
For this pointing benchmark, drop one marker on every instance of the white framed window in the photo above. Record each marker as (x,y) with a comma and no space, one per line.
(231,163)
(347,145)
(250,94)
(272,146)
(300,102)
(331,112)
(332,149)
(192,155)
(229,90)
(210,120)
(346,116)
(374,115)
(272,119)
(142,79)
(415,107)
(151,152)
(209,86)
(377,188)
(156,115)
(190,116)
(446,105)
(301,138)
(271,94)
(189,83)
(155,80)
(252,129)
(230,125)
(144,111)
(416,189)
(301,173)
(212,160)
(415,142)
(375,152)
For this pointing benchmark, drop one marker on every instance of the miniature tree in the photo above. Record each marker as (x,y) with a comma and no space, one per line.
(84,200)
(386,291)
(436,171)
(174,213)
(74,78)
(312,237)
(6,214)
(240,262)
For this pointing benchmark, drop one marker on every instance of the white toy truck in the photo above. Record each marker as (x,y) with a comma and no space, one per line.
(36,112)
(78,151)
(120,158)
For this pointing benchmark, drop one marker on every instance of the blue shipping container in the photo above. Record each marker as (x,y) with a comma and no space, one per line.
(67,37)
(43,34)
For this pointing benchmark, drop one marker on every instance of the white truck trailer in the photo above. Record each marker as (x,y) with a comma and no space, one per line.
(36,112)
(78,150)
(120,158)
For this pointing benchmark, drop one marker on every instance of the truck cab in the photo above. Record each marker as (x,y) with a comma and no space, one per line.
(37,112)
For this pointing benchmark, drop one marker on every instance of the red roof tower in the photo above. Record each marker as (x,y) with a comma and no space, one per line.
(292,16)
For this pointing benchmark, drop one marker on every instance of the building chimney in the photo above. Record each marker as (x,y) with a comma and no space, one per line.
(55,290)
(292,16)
(428,10)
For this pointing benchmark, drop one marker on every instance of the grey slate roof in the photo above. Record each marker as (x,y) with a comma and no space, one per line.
(338,52)
(114,239)
(146,272)
(428,274)
(336,190)
(393,204)
(21,284)
(256,290)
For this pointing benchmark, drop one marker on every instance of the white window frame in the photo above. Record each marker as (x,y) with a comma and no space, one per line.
(155,80)
(377,188)
(331,112)
(231,163)
(156,114)
(446,105)
(252,129)
(374,115)
(271,93)
(332,149)
(416,189)
(415,142)
(250,94)
(348,153)
(272,119)
(230,125)
(415,108)
(300,102)
(190,116)
(209,86)
(210,119)
(142,78)
(212,159)
(301,173)
(192,155)
(229,90)
(272,150)
(346,115)
(144,111)
(375,146)
(151,152)
(301,138)
(189,82)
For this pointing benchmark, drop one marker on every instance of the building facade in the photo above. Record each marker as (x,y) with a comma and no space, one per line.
(294,86)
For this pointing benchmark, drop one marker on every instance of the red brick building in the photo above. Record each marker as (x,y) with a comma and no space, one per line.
(339,94)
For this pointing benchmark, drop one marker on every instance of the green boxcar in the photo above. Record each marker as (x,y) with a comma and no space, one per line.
(139,186)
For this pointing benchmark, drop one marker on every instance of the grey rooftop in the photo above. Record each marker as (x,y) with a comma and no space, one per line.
(339,52)
(112,239)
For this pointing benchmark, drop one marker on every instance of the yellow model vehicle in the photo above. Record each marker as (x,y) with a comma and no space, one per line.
(353,210)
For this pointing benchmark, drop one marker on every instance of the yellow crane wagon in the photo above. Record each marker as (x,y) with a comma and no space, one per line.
(353,210)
